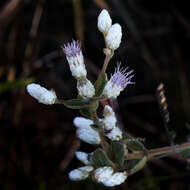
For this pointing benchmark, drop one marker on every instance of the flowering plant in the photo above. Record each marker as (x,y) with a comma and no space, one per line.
(118,155)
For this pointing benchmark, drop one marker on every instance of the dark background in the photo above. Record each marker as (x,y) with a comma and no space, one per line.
(37,142)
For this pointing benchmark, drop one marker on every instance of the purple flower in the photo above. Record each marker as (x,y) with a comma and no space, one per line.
(75,59)
(118,81)
(72,49)
(121,77)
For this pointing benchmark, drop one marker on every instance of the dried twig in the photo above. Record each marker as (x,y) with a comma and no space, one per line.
(161,98)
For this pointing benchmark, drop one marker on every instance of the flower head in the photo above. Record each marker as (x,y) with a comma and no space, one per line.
(85,132)
(104,21)
(116,179)
(75,58)
(80,173)
(85,88)
(113,37)
(72,49)
(43,95)
(118,81)
(109,120)
(103,173)
(106,176)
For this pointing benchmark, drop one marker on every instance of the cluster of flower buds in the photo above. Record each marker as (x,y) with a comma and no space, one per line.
(112,33)
(94,130)
(118,155)
(87,133)
(104,175)
(118,81)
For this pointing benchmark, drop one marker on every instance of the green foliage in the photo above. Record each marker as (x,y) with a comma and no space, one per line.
(76,103)
(117,153)
(132,143)
(138,166)
(100,84)
(129,164)
(85,112)
(100,159)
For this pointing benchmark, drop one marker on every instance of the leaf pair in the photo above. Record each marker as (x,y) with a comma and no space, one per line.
(116,156)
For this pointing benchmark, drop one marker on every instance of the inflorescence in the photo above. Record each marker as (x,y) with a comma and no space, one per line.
(94,130)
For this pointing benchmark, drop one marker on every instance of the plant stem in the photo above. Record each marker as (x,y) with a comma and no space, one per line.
(106,61)
(159,152)
(154,153)
(95,119)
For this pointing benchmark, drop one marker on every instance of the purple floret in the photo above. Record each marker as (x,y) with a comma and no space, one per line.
(121,77)
(72,49)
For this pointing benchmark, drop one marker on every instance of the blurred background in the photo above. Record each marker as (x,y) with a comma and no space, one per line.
(37,142)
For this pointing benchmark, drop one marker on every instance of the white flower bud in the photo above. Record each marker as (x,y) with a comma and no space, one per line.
(80,173)
(83,157)
(43,95)
(109,120)
(88,135)
(104,21)
(85,132)
(116,179)
(81,122)
(113,37)
(85,88)
(115,134)
(106,176)
(108,111)
(102,174)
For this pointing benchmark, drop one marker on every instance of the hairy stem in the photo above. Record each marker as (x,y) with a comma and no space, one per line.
(159,152)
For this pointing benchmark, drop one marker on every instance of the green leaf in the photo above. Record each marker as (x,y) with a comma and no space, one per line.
(76,103)
(85,112)
(100,84)
(185,153)
(132,143)
(100,159)
(131,163)
(117,151)
(138,166)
